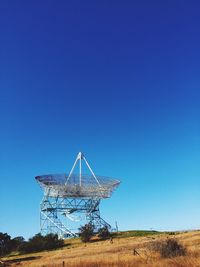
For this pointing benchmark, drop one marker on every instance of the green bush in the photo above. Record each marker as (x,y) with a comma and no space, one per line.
(104,233)
(86,232)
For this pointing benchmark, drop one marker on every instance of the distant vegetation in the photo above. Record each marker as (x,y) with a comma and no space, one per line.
(135,233)
(7,244)
(40,243)
(34,244)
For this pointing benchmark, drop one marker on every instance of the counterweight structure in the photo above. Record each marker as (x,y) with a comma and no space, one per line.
(73,197)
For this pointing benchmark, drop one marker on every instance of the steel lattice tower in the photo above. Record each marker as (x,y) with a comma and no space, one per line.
(72,195)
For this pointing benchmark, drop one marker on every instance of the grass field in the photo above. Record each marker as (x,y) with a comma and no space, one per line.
(117,254)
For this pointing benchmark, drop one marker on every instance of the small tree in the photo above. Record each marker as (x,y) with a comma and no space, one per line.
(5,244)
(104,233)
(86,232)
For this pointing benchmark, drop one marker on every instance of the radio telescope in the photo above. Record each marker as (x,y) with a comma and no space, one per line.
(73,197)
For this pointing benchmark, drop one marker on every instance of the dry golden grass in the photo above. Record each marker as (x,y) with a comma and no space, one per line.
(118,254)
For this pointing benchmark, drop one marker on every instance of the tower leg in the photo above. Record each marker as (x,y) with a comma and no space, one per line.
(95,219)
(49,220)
(52,209)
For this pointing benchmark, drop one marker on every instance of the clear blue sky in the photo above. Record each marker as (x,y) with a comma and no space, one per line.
(118,80)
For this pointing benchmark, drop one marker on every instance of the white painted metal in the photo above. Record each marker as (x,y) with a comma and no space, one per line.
(91,171)
(77,158)
(78,185)
(72,195)
(80,171)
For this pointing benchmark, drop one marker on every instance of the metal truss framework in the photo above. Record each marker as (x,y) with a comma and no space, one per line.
(53,209)
(57,206)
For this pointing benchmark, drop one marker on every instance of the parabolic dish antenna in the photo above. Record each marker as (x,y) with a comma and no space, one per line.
(72,194)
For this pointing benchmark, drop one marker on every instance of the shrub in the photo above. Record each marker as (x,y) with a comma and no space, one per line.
(16,243)
(86,232)
(51,241)
(104,233)
(39,243)
(168,248)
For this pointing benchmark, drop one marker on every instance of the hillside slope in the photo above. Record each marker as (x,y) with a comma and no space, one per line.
(120,253)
